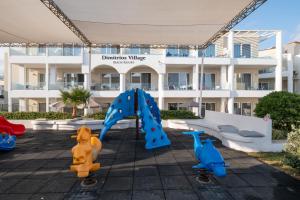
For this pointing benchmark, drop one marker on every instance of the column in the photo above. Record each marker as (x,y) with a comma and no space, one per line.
(278,68)
(52,76)
(196,77)
(9,99)
(230,73)
(47,77)
(290,69)
(223,77)
(196,109)
(161,91)
(223,105)
(122,82)
(47,104)
(9,102)
(230,105)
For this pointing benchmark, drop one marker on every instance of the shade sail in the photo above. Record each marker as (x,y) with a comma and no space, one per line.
(150,22)
(30,21)
(189,22)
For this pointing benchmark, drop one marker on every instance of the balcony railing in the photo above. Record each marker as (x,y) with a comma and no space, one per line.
(41,51)
(178,87)
(29,86)
(65,85)
(244,86)
(105,86)
(144,86)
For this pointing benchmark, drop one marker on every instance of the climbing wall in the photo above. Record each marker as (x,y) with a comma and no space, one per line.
(122,106)
(155,136)
(147,111)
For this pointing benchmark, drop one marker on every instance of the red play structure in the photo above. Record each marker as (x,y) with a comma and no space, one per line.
(12,129)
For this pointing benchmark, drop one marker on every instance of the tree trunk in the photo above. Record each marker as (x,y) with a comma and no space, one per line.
(74,113)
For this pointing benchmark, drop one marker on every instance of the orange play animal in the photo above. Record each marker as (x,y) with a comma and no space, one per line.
(85,152)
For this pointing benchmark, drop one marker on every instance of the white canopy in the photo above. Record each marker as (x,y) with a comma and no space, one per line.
(30,21)
(178,22)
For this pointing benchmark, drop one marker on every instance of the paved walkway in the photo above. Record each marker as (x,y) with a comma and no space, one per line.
(38,169)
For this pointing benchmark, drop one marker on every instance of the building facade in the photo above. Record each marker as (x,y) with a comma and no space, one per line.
(232,69)
(290,68)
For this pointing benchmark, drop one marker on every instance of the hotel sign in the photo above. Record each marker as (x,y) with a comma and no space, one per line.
(124,59)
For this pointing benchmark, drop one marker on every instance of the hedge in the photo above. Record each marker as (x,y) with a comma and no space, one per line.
(177,114)
(35,115)
(165,114)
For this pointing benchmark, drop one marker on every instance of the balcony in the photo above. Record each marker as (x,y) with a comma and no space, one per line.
(105,87)
(144,86)
(29,86)
(178,87)
(65,85)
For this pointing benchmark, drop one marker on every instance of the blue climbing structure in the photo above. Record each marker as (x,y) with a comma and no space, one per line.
(209,157)
(146,109)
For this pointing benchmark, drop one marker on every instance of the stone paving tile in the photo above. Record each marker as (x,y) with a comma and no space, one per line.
(147,183)
(149,195)
(146,171)
(180,194)
(27,186)
(15,196)
(39,169)
(175,182)
(116,195)
(169,170)
(48,196)
(118,183)
(58,184)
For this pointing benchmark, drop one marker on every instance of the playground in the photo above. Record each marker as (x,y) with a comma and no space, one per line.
(38,168)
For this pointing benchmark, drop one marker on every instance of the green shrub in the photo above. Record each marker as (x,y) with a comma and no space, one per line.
(98,115)
(283,107)
(279,134)
(292,149)
(177,114)
(35,115)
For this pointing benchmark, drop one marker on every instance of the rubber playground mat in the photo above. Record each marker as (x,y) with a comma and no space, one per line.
(39,169)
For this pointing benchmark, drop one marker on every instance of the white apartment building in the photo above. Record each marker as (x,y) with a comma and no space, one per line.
(290,68)
(231,81)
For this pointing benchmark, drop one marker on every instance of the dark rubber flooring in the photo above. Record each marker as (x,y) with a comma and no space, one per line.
(39,169)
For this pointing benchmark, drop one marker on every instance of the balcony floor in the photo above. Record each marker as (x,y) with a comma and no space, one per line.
(39,169)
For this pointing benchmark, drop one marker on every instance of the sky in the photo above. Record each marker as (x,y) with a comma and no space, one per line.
(276,15)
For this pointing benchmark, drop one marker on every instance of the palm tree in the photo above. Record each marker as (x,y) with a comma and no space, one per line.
(75,97)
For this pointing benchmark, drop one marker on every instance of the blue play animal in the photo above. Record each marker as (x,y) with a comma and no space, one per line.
(208,156)
(7,142)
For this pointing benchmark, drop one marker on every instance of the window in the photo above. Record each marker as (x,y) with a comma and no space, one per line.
(208,81)
(242,50)
(237,108)
(243,81)
(110,81)
(141,80)
(246,50)
(174,51)
(237,50)
(177,106)
(210,51)
(68,50)
(73,79)
(108,50)
(178,80)
(242,109)
(246,109)
(55,51)
(209,106)
(172,106)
